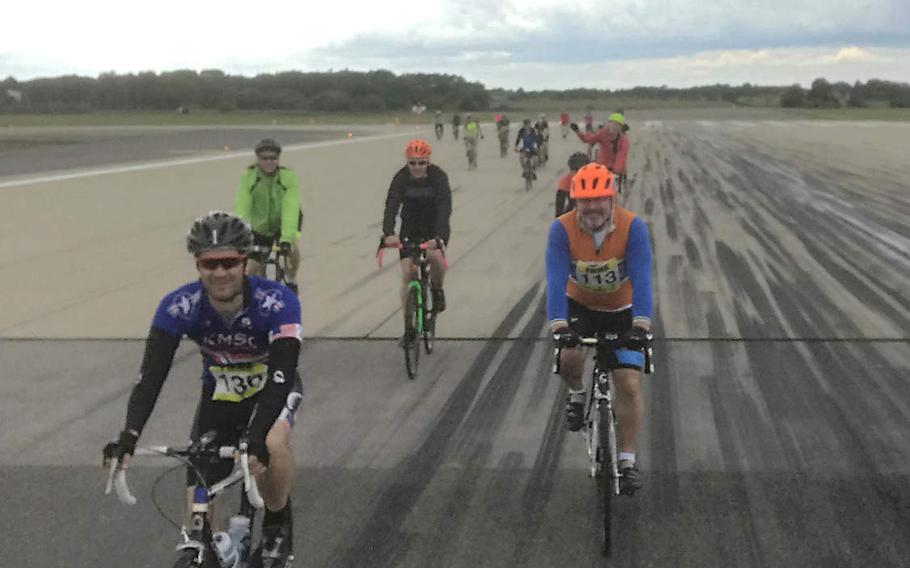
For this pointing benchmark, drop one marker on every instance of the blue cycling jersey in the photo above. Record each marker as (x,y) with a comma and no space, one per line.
(527,139)
(270,312)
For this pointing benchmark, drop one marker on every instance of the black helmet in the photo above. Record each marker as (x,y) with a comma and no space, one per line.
(217,231)
(577,160)
(268,144)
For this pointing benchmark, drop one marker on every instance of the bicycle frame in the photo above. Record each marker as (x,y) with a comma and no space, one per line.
(273,257)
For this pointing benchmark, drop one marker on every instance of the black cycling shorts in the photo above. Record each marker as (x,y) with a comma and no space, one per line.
(229,420)
(587,323)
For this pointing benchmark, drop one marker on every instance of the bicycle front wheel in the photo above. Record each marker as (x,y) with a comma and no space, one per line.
(412,327)
(606,482)
(187,559)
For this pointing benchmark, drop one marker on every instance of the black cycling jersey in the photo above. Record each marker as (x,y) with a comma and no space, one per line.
(425,205)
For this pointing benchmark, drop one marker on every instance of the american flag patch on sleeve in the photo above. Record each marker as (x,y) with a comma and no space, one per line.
(286,330)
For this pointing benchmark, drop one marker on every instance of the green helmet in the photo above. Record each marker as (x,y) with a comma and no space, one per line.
(617,118)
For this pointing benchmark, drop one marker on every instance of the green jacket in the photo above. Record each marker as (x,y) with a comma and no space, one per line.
(271,205)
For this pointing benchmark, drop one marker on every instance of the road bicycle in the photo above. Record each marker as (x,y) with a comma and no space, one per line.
(273,260)
(419,315)
(528,167)
(600,422)
(198,545)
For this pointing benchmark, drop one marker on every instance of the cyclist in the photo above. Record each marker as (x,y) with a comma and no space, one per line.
(564,203)
(456,124)
(439,127)
(564,121)
(502,130)
(526,144)
(589,121)
(613,145)
(543,136)
(267,198)
(420,191)
(598,264)
(471,133)
(248,332)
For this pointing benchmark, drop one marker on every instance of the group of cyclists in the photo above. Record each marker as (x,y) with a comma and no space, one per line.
(248,328)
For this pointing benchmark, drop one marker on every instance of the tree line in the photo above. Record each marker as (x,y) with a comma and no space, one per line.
(379,91)
(340,91)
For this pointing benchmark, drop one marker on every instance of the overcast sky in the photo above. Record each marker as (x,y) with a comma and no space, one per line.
(534,44)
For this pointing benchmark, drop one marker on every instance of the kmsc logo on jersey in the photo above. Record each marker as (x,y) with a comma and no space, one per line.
(237,339)
(183,304)
(269,300)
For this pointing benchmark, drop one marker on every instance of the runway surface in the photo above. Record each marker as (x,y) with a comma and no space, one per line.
(776,424)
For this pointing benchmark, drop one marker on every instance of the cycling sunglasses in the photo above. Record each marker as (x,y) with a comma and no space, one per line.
(417,162)
(226,263)
(268,158)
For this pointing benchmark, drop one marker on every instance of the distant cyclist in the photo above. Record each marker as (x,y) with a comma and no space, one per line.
(613,145)
(502,130)
(420,192)
(598,264)
(564,203)
(589,121)
(543,136)
(472,132)
(527,145)
(564,121)
(268,199)
(456,124)
(438,126)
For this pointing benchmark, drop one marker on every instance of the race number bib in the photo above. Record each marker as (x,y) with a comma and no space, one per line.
(598,276)
(235,383)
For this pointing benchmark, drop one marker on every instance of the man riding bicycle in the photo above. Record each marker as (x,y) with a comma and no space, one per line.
(543,136)
(598,264)
(564,203)
(613,145)
(267,198)
(439,126)
(420,190)
(564,121)
(526,144)
(502,130)
(456,124)
(471,133)
(248,332)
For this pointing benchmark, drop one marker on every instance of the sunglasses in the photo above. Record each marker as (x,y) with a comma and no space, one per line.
(226,263)
(268,158)
(417,162)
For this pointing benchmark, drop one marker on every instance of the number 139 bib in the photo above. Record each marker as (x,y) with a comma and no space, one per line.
(238,382)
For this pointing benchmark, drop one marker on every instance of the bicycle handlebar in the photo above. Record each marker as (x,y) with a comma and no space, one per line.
(117,475)
(610,341)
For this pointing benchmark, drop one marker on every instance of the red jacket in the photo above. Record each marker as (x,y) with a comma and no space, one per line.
(613,149)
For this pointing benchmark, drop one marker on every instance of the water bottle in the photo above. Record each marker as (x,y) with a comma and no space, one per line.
(240,536)
(227,552)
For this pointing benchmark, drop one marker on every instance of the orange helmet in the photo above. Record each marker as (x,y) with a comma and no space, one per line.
(418,149)
(591,181)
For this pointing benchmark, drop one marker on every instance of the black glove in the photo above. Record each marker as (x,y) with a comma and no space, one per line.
(574,127)
(125,445)
(256,447)
(566,337)
(284,248)
(637,338)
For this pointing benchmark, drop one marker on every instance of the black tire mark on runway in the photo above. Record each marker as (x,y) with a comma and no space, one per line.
(380,540)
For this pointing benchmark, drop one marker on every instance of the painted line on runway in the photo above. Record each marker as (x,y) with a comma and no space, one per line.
(188,161)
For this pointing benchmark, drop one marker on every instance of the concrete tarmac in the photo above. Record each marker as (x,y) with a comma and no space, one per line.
(777,421)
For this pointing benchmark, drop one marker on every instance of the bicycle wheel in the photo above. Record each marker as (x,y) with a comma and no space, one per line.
(412,326)
(607,481)
(528,181)
(429,320)
(187,559)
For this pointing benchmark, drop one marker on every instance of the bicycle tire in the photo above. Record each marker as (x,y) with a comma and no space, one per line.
(429,320)
(187,559)
(605,481)
(529,182)
(411,344)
